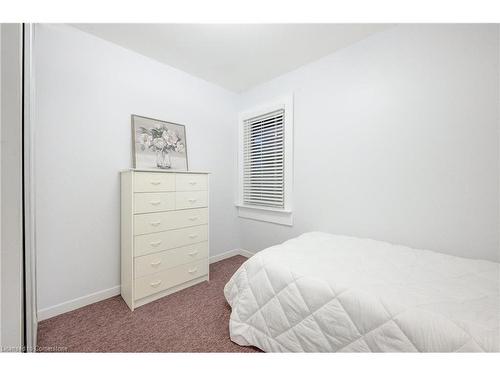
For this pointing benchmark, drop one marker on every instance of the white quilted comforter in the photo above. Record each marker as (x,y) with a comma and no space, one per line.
(327,293)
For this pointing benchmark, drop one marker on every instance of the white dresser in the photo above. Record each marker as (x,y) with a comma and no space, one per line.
(164,233)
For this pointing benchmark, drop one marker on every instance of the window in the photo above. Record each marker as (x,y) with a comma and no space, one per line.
(265,163)
(263,160)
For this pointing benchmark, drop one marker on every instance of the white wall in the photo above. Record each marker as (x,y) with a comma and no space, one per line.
(1,205)
(86,90)
(11,247)
(396,138)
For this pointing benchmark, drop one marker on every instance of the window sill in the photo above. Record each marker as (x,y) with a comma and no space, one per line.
(271,215)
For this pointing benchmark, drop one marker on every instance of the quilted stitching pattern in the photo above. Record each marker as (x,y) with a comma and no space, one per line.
(325,293)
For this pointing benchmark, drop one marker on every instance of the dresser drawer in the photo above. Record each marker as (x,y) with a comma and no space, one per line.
(153,202)
(161,221)
(145,182)
(154,242)
(190,199)
(191,182)
(162,280)
(149,264)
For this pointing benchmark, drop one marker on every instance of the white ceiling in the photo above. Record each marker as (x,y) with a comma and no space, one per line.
(233,56)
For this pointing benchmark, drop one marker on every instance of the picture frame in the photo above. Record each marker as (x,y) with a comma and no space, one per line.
(158,144)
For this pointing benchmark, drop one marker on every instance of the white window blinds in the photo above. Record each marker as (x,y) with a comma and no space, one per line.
(263,160)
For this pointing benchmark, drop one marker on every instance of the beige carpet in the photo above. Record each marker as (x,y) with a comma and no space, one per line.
(192,320)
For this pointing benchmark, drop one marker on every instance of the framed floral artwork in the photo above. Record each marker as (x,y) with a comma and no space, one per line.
(158,144)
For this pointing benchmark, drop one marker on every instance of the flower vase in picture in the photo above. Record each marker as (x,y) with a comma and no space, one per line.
(163,159)
(159,144)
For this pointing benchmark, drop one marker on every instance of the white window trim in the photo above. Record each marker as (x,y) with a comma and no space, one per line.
(284,215)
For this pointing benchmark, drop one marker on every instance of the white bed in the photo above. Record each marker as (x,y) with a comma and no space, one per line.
(326,293)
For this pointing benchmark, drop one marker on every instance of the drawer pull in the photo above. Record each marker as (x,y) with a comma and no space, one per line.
(154,264)
(155,203)
(192,182)
(155,223)
(192,200)
(193,253)
(155,284)
(155,182)
(193,235)
(193,218)
(155,243)
(193,270)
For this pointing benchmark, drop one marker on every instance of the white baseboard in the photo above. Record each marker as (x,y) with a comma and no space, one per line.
(76,303)
(229,254)
(246,253)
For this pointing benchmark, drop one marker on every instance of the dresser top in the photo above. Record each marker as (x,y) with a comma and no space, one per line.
(162,171)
